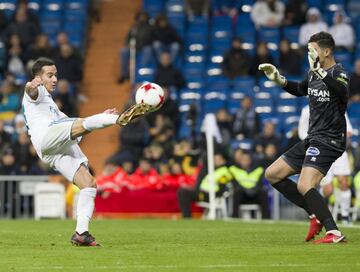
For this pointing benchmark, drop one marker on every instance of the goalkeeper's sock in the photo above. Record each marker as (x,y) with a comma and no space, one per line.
(84,209)
(100,120)
(289,189)
(319,207)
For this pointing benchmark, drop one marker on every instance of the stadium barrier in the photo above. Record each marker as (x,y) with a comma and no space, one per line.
(17,196)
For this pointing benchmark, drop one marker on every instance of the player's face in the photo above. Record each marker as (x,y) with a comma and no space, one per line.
(322,52)
(49,77)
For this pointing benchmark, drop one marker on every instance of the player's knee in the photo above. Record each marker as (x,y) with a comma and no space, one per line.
(270,175)
(90,182)
(303,187)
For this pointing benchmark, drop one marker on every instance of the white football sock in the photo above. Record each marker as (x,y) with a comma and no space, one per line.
(84,209)
(345,202)
(100,120)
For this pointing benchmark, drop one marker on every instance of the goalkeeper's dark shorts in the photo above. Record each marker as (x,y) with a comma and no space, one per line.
(311,154)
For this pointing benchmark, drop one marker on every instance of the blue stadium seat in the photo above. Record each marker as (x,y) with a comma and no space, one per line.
(174,6)
(193,70)
(8,7)
(291,33)
(153,7)
(75,15)
(243,20)
(190,96)
(74,28)
(354,110)
(245,144)
(315,3)
(178,22)
(353,8)
(50,27)
(244,82)
(213,105)
(264,107)
(77,4)
(145,74)
(269,35)
(34,6)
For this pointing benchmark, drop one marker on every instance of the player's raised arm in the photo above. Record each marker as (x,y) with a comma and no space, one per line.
(31,87)
(294,88)
(337,82)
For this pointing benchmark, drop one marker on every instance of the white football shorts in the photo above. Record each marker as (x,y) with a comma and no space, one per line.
(60,151)
(340,167)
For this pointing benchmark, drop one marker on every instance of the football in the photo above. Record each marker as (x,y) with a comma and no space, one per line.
(151,94)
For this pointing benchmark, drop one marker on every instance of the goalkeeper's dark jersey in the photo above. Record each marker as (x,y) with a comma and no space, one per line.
(327,100)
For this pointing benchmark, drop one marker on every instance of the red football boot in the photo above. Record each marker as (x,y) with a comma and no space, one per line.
(314,229)
(331,238)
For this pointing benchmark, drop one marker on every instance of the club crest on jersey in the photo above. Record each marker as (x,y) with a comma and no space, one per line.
(312,151)
(53,110)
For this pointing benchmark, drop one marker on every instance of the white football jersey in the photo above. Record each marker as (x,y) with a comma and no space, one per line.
(39,114)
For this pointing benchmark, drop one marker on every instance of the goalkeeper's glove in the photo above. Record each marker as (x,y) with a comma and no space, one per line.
(314,62)
(273,74)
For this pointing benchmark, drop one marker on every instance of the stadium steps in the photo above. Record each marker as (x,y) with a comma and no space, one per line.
(101,71)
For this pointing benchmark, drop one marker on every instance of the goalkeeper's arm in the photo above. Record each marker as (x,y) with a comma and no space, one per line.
(294,88)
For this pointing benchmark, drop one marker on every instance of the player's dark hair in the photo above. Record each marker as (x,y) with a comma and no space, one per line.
(324,40)
(39,64)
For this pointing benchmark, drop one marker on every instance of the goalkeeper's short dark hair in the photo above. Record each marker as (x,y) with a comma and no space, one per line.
(324,40)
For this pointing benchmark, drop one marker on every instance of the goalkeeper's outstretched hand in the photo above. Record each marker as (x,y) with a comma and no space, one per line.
(272,73)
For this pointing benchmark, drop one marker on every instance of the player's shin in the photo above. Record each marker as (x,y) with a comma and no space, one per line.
(85,208)
(320,209)
(100,120)
(289,189)
(345,201)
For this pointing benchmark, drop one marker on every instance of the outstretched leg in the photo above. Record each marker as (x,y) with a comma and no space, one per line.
(110,117)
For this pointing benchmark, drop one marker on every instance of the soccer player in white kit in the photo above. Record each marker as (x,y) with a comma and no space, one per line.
(55,137)
(340,168)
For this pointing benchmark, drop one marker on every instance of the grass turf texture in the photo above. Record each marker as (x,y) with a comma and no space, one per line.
(184,245)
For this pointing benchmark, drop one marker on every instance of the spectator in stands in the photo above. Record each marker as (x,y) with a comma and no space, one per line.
(246,120)
(176,177)
(155,154)
(3,24)
(226,7)
(41,48)
(262,56)
(342,31)
(22,6)
(295,12)
(186,156)
(5,137)
(201,190)
(22,154)
(65,100)
(161,123)
(290,59)
(354,90)
(224,122)
(267,136)
(145,176)
(167,75)
(9,101)
(62,38)
(22,26)
(134,137)
(314,25)
(196,8)
(268,157)
(169,108)
(8,164)
(141,33)
(69,65)
(236,61)
(16,56)
(248,185)
(166,38)
(268,13)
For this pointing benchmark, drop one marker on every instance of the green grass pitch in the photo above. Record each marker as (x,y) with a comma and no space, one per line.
(166,245)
